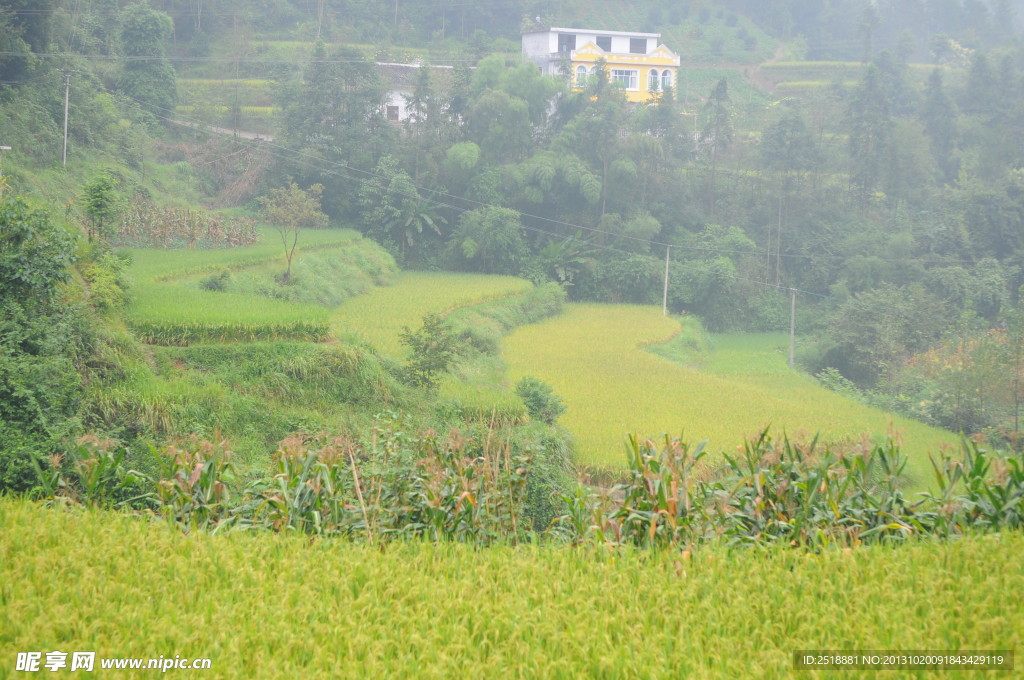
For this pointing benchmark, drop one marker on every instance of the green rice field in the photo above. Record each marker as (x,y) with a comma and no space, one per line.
(168,307)
(274,606)
(159,264)
(594,359)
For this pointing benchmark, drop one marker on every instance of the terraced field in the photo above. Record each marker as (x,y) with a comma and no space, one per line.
(593,357)
(168,307)
(380,315)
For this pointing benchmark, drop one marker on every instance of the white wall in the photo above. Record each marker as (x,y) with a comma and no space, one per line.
(537,44)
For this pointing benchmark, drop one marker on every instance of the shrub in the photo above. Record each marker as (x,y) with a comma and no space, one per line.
(216,282)
(541,401)
(18,450)
(433,349)
(108,287)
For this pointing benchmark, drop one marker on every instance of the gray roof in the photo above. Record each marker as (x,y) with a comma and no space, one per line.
(403,76)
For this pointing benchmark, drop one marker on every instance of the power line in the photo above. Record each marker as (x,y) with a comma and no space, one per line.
(217,60)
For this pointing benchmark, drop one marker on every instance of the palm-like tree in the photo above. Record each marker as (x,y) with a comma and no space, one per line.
(416,215)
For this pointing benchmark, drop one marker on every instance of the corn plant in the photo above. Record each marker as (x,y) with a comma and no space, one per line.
(398,484)
(589,517)
(92,472)
(800,495)
(659,506)
(310,491)
(194,485)
(979,489)
(146,225)
(770,492)
(662,502)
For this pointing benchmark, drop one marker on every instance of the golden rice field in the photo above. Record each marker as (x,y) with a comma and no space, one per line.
(379,316)
(593,358)
(262,605)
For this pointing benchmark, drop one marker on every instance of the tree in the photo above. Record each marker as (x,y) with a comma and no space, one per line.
(147,76)
(787,147)
(489,240)
(289,209)
(34,253)
(593,132)
(706,278)
(870,128)
(716,133)
(867,24)
(101,203)
(425,129)
(333,124)
(25,26)
(877,331)
(393,208)
(500,124)
(939,117)
(433,349)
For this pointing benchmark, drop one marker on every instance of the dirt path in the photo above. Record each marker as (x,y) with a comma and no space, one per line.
(758,78)
(752,72)
(225,131)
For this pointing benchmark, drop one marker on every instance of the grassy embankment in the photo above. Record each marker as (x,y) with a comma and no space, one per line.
(274,606)
(245,360)
(593,356)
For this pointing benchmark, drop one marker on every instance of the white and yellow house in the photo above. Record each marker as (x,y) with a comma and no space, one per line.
(637,61)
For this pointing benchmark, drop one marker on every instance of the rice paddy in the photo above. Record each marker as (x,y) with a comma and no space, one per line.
(379,316)
(271,606)
(169,308)
(593,358)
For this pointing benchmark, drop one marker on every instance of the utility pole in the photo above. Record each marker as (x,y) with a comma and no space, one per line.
(67,93)
(792,326)
(664,295)
(2,149)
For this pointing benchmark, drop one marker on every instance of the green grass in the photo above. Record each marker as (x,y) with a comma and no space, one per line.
(593,358)
(276,606)
(168,306)
(150,264)
(696,83)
